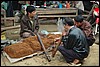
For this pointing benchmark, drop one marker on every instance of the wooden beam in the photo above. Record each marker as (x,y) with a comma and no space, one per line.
(12,27)
(56,16)
(42,9)
(4,14)
(8,18)
(57,11)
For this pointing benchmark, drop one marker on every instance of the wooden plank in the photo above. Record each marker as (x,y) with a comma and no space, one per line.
(56,16)
(60,16)
(47,16)
(13,60)
(42,9)
(8,18)
(4,13)
(57,11)
(86,11)
(90,12)
(84,15)
(12,27)
(54,11)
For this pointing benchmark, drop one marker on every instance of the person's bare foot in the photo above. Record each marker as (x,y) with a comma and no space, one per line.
(76,61)
(72,64)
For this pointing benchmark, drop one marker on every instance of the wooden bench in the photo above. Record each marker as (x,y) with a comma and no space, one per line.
(4,18)
(56,12)
(50,13)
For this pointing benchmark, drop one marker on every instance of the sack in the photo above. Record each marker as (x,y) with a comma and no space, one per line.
(90,40)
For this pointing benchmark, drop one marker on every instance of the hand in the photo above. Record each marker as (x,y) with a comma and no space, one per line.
(63,33)
(35,31)
(57,40)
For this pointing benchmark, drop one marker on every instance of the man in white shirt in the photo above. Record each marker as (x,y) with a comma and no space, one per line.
(80,6)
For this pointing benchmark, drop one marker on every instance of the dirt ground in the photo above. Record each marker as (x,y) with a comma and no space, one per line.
(58,60)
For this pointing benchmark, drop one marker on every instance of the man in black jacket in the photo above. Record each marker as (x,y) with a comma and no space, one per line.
(74,46)
(29,23)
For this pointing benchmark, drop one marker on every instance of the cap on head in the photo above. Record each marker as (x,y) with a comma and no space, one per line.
(30,9)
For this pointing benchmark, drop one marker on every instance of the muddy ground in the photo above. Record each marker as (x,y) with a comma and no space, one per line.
(58,60)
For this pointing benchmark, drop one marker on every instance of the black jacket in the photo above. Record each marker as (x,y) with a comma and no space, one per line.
(26,25)
(76,41)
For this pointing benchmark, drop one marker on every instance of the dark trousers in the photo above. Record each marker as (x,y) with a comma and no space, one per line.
(80,12)
(69,55)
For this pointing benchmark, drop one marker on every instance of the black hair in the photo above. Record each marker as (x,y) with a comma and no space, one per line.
(79,18)
(30,9)
(68,21)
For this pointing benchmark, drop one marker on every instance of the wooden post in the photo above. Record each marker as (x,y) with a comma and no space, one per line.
(90,12)
(4,16)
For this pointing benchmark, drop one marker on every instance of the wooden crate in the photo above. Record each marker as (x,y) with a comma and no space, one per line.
(8,23)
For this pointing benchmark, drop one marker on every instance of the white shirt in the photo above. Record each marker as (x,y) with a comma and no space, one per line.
(80,5)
